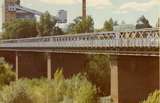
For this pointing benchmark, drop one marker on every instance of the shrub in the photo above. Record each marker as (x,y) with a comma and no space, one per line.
(153,98)
(17,92)
(6,73)
(79,87)
(59,90)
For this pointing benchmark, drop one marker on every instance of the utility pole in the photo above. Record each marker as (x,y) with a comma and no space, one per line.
(84,9)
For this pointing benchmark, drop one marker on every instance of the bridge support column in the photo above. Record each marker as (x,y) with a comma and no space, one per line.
(49,66)
(133,78)
(114,79)
(17,65)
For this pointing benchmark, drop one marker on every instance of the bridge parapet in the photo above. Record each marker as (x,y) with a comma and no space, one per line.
(138,38)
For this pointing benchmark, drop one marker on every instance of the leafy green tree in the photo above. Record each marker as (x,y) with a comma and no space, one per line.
(108,25)
(20,29)
(57,31)
(98,70)
(153,97)
(81,25)
(6,73)
(47,25)
(142,22)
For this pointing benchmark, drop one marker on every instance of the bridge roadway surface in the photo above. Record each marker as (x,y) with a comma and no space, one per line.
(142,42)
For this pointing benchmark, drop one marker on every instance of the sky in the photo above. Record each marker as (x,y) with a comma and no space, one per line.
(101,10)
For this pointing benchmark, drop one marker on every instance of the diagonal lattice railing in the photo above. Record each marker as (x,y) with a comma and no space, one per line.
(144,38)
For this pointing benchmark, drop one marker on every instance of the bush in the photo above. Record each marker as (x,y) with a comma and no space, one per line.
(79,87)
(59,90)
(6,73)
(153,98)
(98,71)
(16,93)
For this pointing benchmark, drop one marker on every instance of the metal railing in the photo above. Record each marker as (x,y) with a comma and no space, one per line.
(149,38)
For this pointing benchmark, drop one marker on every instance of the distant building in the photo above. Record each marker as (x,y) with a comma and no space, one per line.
(13,10)
(158,22)
(62,16)
(124,27)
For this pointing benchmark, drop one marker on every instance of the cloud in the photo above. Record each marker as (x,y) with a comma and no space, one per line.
(90,3)
(138,6)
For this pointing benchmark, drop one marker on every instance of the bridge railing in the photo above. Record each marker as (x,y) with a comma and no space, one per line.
(137,38)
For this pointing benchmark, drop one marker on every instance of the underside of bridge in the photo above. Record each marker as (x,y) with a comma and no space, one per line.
(34,64)
(132,77)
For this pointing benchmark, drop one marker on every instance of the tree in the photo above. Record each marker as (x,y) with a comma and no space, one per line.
(18,2)
(57,31)
(142,22)
(81,25)
(6,73)
(97,66)
(98,71)
(108,24)
(20,29)
(47,25)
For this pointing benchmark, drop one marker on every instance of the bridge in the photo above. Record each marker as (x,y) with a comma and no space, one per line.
(138,42)
(134,58)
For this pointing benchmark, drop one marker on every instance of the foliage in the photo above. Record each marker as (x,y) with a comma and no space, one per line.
(18,2)
(98,70)
(153,97)
(142,22)
(59,90)
(78,87)
(81,25)
(21,28)
(108,24)
(47,25)
(6,73)
(16,93)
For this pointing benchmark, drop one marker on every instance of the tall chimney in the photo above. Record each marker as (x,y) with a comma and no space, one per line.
(84,9)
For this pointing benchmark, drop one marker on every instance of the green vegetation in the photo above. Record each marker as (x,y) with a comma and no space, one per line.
(47,26)
(24,28)
(6,73)
(108,25)
(153,97)
(59,90)
(97,66)
(20,29)
(98,72)
(81,25)
(142,22)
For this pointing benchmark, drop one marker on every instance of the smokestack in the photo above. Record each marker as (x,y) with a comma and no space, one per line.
(84,9)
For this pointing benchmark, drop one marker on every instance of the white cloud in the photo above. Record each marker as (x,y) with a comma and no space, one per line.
(138,6)
(91,3)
